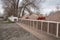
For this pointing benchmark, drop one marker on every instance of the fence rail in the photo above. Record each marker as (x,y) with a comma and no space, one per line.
(50,27)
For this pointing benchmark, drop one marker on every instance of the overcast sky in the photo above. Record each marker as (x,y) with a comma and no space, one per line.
(47,6)
(50,5)
(1,9)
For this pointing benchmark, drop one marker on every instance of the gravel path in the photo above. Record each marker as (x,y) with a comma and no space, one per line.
(13,32)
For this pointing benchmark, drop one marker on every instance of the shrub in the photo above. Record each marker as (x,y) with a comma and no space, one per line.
(41,18)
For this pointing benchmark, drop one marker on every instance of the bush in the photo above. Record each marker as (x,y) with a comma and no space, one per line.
(27,17)
(41,18)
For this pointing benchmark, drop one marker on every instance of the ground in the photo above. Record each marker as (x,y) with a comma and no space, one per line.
(14,32)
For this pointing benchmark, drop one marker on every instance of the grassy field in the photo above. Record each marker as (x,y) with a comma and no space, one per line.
(5,22)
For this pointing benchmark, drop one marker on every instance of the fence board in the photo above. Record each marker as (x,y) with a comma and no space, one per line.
(52,28)
(44,26)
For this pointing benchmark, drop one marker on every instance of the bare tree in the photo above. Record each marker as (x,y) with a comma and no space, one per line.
(26,4)
(11,7)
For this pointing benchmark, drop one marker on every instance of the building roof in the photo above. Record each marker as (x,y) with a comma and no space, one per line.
(54,16)
(32,16)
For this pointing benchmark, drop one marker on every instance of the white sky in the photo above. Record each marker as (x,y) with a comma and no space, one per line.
(49,5)
(1,9)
